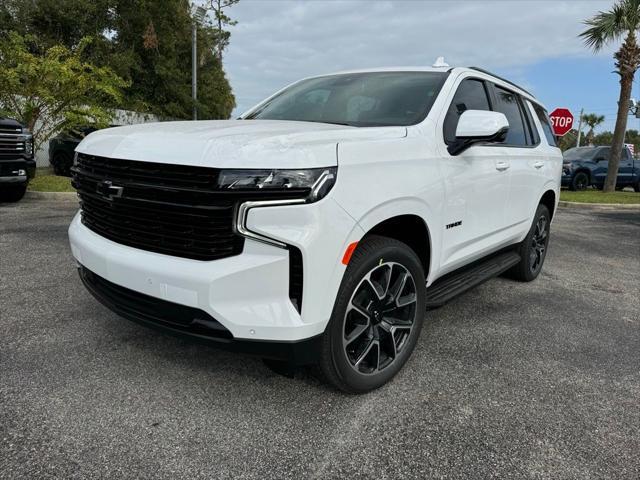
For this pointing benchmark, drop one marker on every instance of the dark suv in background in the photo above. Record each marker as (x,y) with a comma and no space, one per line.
(17,164)
(585,166)
(62,148)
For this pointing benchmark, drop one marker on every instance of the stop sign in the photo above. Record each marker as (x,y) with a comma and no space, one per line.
(561,121)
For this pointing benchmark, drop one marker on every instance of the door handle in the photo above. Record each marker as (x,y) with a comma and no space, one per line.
(502,166)
(538,164)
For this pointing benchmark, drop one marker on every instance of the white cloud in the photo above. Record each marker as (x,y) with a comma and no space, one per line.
(277,42)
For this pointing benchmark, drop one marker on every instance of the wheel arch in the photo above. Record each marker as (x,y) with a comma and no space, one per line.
(548,199)
(410,229)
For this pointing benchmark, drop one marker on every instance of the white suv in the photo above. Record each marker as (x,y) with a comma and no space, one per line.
(321,225)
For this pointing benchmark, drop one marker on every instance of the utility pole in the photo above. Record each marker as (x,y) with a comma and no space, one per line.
(579,127)
(194,67)
(198,14)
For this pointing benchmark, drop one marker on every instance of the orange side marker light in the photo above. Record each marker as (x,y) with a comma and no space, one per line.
(348,252)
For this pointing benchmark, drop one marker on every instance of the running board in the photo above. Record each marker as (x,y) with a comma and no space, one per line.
(455,283)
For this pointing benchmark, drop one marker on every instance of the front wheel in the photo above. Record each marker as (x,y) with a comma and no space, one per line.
(12,194)
(533,249)
(580,182)
(377,317)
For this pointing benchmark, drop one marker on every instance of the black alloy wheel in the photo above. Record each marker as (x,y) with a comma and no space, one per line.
(379,318)
(533,249)
(539,241)
(580,181)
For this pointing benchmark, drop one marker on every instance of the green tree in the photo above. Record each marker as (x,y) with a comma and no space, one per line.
(151,41)
(622,21)
(146,42)
(603,138)
(56,90)
(222,20)
(592,120)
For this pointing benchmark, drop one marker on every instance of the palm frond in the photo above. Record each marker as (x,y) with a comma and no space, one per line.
(605,27)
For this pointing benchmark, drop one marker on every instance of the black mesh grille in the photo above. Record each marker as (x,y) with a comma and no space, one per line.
(171,209)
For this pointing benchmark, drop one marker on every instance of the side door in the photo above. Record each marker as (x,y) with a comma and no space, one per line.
(476,182)
(600,168)
(625,169)
(528,162)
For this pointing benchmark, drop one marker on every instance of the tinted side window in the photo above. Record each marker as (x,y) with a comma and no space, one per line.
(543,116)
(508,103)
(604,153)
(471,95)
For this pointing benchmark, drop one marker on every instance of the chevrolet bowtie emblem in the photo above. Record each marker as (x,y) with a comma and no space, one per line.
(108,190)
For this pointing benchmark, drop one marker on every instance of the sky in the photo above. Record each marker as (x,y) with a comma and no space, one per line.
(533,43)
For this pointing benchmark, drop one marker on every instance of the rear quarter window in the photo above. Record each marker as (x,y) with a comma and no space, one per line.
(543,116)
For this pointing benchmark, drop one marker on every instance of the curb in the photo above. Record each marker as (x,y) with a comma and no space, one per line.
(600,206)
(59,196)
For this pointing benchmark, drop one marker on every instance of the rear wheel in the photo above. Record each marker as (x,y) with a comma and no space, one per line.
(377,317)
(12,194)
(580,181)
(533,249)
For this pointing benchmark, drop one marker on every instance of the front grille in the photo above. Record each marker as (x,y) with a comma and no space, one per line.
(11,142)
(171,209)
(150,310)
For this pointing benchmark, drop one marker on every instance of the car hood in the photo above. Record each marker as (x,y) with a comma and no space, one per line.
(231,143)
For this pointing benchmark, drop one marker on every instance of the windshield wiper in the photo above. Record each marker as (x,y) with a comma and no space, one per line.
(335,123)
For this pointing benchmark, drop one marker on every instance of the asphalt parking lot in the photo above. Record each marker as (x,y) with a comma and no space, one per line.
(511,380)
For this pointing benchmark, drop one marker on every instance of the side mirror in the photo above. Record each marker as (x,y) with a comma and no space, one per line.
(479,126)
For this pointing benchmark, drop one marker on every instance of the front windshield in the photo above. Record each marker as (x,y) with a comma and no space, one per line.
(369,99)
(579,153)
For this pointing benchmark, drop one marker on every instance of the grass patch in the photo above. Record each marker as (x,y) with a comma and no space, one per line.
(50,183)
(596,196)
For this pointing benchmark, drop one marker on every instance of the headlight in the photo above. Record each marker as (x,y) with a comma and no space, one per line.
(28,145)
(313,183)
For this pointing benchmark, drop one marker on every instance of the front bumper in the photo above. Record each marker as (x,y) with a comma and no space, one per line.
(14,180)
(17,170)
(248,294)
(192,323)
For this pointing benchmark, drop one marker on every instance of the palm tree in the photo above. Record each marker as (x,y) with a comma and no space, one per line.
(622,21)
(592,120)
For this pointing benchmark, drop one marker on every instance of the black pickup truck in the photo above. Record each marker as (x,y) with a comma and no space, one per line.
(17,164)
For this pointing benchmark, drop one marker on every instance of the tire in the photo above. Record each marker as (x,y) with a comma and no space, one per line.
(13,194)
(579,182)
(533,249)
(363,346)
(636,187)
(62,164)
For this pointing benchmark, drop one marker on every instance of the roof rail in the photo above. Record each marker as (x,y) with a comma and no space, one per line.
(478,69)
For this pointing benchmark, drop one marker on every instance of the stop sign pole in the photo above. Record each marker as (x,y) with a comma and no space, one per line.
(561,121)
